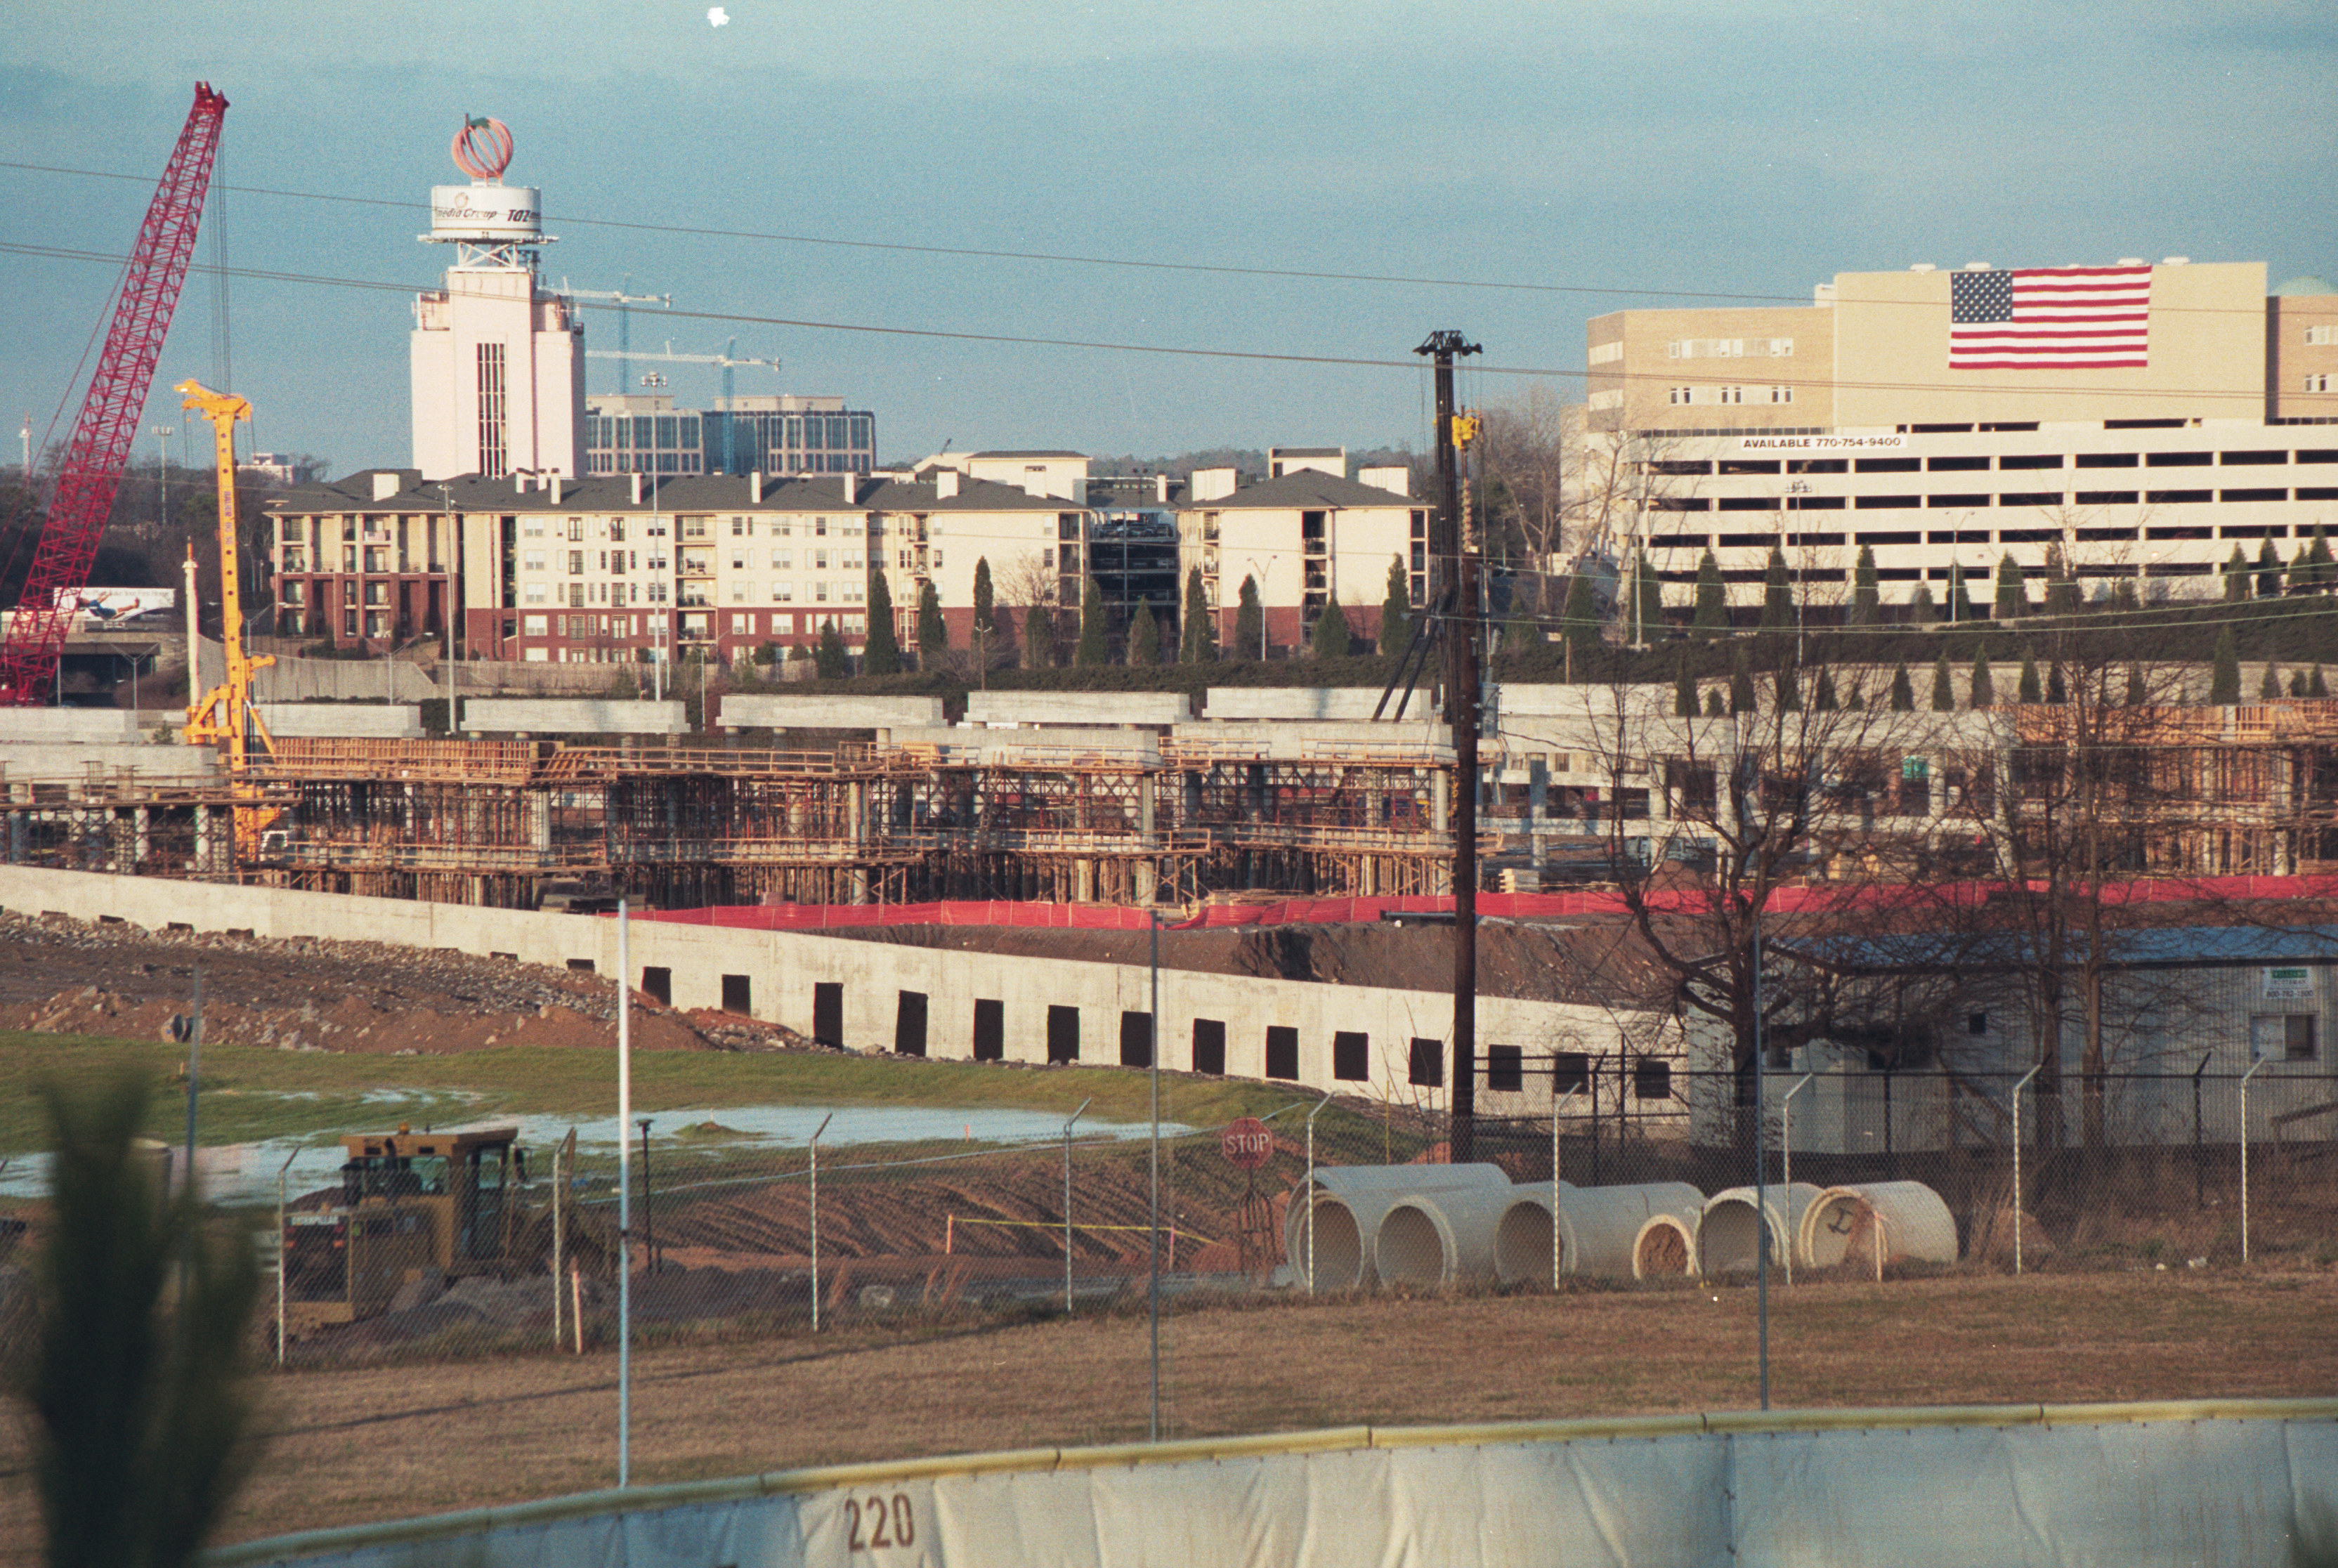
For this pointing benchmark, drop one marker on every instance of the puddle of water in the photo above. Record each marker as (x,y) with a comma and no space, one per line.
(247,1172)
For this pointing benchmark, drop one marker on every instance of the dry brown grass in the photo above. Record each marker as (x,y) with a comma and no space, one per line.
(385,1442)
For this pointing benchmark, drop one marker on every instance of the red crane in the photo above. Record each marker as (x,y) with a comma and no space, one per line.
(36,635)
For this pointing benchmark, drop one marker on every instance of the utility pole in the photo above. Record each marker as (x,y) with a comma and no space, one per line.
(1451,553)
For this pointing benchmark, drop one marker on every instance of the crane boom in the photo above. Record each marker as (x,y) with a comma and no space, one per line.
(226,712)
(110,409)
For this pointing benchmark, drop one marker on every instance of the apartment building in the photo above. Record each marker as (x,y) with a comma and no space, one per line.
(1302,533)
(2128,421)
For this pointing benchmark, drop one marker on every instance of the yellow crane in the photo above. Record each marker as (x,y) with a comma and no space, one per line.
(225,713)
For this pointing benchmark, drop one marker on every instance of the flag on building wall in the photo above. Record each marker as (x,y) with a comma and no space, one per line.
(2050,318)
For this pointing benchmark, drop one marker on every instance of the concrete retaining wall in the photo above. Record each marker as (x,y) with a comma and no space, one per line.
(1284,702)
(368,720)
(1078,708)
(742,710)
(545,716)
(785,972)
(72,763)
(68,726)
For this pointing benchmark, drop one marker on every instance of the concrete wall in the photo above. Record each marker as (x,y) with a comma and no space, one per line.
(1294,739)
(741,710)
(72,763)
(370,719)
(296,679)
(783,969)
(603,715)
(960,741)
(1345,703)
(1077,707)
(68,726)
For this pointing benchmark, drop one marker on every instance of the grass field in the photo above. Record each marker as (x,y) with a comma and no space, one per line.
(387,1441)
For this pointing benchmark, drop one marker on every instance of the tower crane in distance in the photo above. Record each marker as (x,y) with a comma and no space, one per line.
(225,714)
(34,638)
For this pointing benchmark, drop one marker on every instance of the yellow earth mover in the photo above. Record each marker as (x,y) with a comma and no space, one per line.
(414,1206)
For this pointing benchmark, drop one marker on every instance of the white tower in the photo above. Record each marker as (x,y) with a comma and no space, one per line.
(498,360)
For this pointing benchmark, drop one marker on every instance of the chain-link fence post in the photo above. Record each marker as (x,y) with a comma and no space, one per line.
(2252,1072)
(1307,1192)
(1067,1201)
(815,1217)
(2019,1084)
(1786,1156)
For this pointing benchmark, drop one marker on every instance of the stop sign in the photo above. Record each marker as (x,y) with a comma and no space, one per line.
(1246,1144)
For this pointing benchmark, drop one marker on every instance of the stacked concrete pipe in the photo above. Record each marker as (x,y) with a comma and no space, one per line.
(1350,1201)
(1727,1240)
(1437,1238)
(1843,1223)
(1597,1231)
(1664,1245)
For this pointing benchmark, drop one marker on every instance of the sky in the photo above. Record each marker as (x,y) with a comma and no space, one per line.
(1507,170)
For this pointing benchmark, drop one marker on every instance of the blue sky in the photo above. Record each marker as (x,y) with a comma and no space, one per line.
(1699,147)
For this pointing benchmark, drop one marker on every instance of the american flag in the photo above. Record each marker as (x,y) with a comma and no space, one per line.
(2050,318)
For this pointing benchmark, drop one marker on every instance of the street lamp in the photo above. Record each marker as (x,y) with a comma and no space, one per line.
(162,434)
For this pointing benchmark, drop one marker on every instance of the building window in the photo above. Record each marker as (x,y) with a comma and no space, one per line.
(782,561)
(1733,394)
(492,455)
(2317,383)
(532,625)
(1505,1069)
(531,593)
(1782,394)
(1679,395)
(2316,335)
(2282,1037)
(576,563)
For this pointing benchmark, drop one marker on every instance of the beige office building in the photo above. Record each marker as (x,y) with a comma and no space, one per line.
(2130,419)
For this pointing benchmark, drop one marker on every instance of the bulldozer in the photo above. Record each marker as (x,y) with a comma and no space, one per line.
(412,1206)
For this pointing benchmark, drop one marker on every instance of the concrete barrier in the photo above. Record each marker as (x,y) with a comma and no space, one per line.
(763,711)
(68,727)
(1004,745)
(371,721)
(852,992)
(1078,708)
(73,764)
(1354,703)
(581,716)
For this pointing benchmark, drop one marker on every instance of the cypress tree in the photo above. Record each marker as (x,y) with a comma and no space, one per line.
(2225,675)
(1580,619)
(830,657)
(2012,590)
(2237,577)
(986,609)
(1777,594)
(1984,685)
(2297,682)
(2269,684)
(1197,641)
(1330,640)
(2268,571)
(1944,690)
(1960,606)
(2317,687)
(1143,635)
(2318,558)
(1825,700)
(1396,610)
(1095,645)
(1904,691)
(1250,623)
(1711,616)
(1649,603)
(882,653)
(1866,597)
(2030,690)
(1038,638)
(2057,691)
(933,631)
(2124,596)
(1713,709)
(2136,695)
(1920,608)
(1741,683)
(1788,686)
(1684,692)
(2062,596)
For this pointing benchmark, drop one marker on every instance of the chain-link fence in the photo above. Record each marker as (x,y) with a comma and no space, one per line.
(735,1236)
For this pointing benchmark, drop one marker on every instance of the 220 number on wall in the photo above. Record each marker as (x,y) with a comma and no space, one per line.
(879,1522)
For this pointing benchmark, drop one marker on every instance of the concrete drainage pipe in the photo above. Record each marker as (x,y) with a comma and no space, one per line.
(1439,1238)
(1524,1237)
(1599,1227)
(1350,1201)
(1663,1247)
(1725,1233)
(1841,1223)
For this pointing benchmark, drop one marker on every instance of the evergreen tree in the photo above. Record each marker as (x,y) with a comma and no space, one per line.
(1094,645)
(1777,594)
(933,631)
(2297,682)
(1788,687)
(2317,686)
(882,655)
(2136,695)
(2030,690)
(1824,699)
(986,609)
(2269,684)
(2268,571)
(1250,623)
(1944,690)
(1331,637)
(1197,641)
(1866,597)
(1920,608)
(2062,596)
(1741,683)
(1648,608)
(1713,709)
(2057,690)
(1984,685)
(1904,691)
(830,657)
(2124,596)
(1143,635)
(1960,605)
(2012,591)
(1684,692)
(2324,569)
(1580,621)
(1396,611)
(1711,616)
(2225,675)
(1038,638)
(2237,577)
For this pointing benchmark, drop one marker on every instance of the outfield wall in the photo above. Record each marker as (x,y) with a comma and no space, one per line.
(2238,1483)
(784,974)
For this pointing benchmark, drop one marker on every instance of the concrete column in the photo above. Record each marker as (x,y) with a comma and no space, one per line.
(1148,869)
(143,821)
(203,840)
(1440,801)
(539,821)
(1538,790)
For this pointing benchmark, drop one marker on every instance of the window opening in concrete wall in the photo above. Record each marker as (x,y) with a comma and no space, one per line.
(1063,1033)
(1506,1068)
(1427,1067)
(1209,1045)
(1136,1039)
(1351,1055)
(989,1029)
(2282,1037)
(581,966)
(1651,1078)
(909,1025)
(828,1012)
(658,984)
(1282,1051)
(1570,1070)
(738,994)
